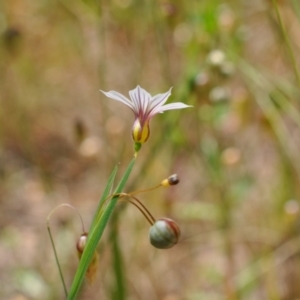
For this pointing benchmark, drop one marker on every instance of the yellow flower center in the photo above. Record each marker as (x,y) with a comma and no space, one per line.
(140,134)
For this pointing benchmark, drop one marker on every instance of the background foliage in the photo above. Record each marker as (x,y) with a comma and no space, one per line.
(236,151)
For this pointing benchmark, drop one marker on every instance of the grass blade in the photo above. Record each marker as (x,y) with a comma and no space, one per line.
(96,233)
(105,194)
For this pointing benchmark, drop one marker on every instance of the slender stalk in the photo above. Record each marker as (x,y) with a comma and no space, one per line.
(53,244)
(142,208)
(101,203)
(145,215)
(57,262)
(119,289)
(145,190)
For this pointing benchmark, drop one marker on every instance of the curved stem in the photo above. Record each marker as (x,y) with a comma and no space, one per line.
(137,203)
(53,244)
(68,205)
(57,262)
(142,208)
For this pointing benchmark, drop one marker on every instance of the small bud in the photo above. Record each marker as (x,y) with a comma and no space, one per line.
(164,234)
(171,180)
(91,272)
(140,132)
(81,243)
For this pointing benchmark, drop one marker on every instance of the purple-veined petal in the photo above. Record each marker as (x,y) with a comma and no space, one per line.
(160,99)
(176,105)
(134,100)
(141,99)
(119,97)
(143,105)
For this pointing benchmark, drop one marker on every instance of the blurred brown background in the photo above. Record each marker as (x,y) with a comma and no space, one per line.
(236,151)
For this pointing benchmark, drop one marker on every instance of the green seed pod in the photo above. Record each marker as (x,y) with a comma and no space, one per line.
(164,234)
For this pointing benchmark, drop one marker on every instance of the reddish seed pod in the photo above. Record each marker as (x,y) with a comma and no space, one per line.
(81,243)
(173,179)
(164,233)
(91,272)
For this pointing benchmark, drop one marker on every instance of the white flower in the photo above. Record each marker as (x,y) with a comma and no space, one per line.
(144,107)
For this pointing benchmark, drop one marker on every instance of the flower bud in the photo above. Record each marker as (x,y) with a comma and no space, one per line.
(164,234)
(91,272)
(140,132)
(81,243)
(171,180)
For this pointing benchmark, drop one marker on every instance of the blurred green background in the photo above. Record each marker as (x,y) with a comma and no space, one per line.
(236,151)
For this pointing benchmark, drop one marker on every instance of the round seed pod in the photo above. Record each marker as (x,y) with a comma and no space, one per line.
(171,180)
(92,269)
(164,233)
(81,243)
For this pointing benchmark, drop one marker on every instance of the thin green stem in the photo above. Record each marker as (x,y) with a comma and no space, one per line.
(145,190)
(136,202)
(107,191)
(119,289)
(142,208)
(52,241)
(57,262)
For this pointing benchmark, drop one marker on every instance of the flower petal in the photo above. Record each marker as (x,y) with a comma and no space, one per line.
(119,97)
(160,99)
(141,99)
(176,105)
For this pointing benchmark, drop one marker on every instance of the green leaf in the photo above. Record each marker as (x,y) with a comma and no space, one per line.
(106,193)
(98,226)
